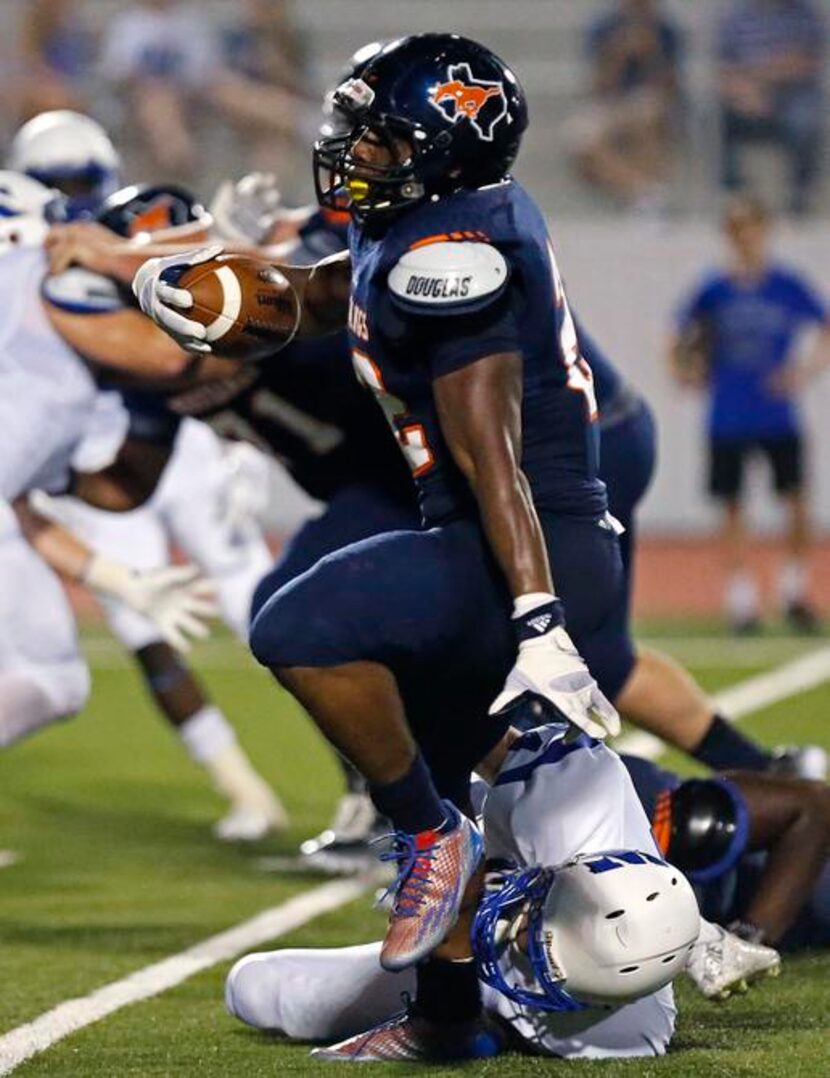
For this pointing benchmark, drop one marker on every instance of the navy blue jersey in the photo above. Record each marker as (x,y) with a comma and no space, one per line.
(325,233)
(608,382)
(305,407)
(400,348)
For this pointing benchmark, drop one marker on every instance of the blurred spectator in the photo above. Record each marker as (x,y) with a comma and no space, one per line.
(178,69)
(737,335)
(162,54)
(622,140)
(770,53)
(263,89)
(57,52)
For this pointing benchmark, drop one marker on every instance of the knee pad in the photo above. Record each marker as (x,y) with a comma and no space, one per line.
(250,992)
(32,698)
(67,685)
(293,626)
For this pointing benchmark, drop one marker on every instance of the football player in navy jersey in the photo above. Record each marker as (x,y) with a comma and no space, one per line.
(418,278)
(460,326)
(309,411)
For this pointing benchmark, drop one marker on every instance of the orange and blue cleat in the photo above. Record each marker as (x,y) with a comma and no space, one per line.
(434,868)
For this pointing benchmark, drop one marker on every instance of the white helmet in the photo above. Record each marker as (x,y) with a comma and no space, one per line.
(604,928)
(26,207)
(70,151)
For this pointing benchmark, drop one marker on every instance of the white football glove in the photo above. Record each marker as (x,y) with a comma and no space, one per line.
(176,598)
(549,666)
(246,211)
(162,301)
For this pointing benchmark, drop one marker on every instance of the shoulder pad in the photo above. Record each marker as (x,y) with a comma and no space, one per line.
(448,278)
(80,291)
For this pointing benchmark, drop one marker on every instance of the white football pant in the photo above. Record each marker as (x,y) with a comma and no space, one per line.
(43,676)
(330,994)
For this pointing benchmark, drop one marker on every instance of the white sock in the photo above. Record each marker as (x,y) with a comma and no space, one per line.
(792,582)
(211,741)
(234,776)
(741,597)
(206,734)
(24,708)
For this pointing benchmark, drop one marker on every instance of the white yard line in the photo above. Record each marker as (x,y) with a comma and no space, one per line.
(800,675)
(28,1040)
(720,651)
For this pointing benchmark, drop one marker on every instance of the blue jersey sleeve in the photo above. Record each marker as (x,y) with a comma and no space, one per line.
(697,306)
(806,302)
(452,343)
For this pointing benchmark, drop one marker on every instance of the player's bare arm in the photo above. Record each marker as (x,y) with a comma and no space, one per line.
(128,482)
(480,411)
(121,340)
(790,819)
(164,287)
(88,244)
(479,408)
(176,598)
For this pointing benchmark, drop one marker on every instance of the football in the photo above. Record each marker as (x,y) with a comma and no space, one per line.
(249,308)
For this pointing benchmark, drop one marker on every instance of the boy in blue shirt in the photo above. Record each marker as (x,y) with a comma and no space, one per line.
(737,335)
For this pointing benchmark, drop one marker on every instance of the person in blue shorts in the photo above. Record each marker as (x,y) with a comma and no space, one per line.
(737,335)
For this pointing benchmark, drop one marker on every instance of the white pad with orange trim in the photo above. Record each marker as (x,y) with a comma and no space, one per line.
(448,277)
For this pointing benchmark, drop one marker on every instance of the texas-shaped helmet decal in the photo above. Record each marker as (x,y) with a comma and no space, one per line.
(482,102)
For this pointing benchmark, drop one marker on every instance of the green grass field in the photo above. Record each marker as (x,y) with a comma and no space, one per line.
(117,869)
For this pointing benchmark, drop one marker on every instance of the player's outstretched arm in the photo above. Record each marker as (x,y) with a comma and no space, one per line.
(96,248)
(479,407)
(322,293)
(176,598)
(790,819)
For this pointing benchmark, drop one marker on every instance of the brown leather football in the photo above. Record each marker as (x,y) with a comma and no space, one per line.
(249,308)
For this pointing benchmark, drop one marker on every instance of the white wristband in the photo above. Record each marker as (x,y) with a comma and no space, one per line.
(523,604)
(108,576)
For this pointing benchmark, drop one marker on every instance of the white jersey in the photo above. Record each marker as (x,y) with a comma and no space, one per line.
(191,506)
(553,800)
(52,415)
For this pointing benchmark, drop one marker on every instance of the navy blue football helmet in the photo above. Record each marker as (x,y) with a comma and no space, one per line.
(447,113)
(145,207)
(702,827)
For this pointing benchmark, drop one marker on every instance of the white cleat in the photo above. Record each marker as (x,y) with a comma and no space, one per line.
(345,847)
(722,964)
(800,761)
(251,822)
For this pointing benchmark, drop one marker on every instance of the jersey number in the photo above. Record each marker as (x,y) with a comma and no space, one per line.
(580,375)
(411,437)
